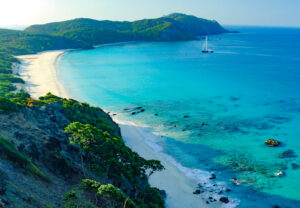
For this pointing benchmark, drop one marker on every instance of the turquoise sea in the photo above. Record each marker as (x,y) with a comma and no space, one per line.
(214,111)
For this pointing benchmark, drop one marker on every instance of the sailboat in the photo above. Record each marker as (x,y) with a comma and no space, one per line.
(206,50)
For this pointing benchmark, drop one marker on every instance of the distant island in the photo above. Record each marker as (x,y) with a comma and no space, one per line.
(86,33)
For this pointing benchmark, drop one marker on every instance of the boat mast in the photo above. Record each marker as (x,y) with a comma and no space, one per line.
(206,43)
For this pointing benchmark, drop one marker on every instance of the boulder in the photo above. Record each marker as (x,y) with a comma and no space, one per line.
(213,176)
(198,191)
(224,199)
(272,143)
(279,173)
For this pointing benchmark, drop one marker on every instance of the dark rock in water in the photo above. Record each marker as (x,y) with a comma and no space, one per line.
(235,181)
(203,124)
(207,202)
(228,190)
(234,98)
(138,108)
(224,199)
(295,166)
(114,114)
(288,154)
(142,110)
(133,113)
(198,191)
(185,116)
(156,114)
(275,206)
(210,197)
(272,143)
(213,176)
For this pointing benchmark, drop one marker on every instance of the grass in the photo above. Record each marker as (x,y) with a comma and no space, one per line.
(11,153)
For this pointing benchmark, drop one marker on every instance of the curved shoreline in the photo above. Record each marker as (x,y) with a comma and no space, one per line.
(39,73)
(178,186)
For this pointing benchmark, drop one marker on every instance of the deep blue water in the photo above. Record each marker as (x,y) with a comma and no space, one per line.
(245,93)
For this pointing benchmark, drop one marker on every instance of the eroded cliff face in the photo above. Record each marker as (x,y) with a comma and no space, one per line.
(37,134)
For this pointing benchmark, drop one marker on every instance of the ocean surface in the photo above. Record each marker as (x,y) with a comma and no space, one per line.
(213,111)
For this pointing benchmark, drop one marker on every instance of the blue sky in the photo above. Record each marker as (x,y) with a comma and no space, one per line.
(228,12)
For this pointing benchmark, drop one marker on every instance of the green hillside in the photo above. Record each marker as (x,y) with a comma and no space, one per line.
(20,42)
(174,27)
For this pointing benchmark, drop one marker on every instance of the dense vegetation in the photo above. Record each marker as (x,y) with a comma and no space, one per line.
(173,27)
(20,42)
(94,194)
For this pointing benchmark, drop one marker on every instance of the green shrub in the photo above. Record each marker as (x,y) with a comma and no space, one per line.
(7,106)
(8,151)
(49,98)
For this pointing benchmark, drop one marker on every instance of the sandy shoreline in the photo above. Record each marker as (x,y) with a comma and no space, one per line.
(39,73)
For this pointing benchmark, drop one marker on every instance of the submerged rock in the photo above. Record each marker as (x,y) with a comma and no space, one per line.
(295,166)
(232,98)
(224,199)
(272,143)
(288,154)
(185,116)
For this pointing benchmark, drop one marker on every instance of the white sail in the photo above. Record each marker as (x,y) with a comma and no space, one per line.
(206,50)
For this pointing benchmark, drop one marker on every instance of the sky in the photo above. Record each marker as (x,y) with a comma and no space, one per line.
(16,13)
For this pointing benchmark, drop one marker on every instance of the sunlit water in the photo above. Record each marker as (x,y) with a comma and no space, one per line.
(215,111)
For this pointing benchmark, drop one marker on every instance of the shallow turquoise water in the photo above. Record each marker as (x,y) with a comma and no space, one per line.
(245,93)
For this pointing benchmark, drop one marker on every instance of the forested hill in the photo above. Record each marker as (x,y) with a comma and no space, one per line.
(174,27)
(86,33)
(19,42)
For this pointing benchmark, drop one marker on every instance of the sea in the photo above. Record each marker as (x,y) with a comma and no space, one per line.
(212,112)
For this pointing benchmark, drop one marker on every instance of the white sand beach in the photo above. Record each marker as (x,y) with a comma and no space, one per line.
(40,75)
